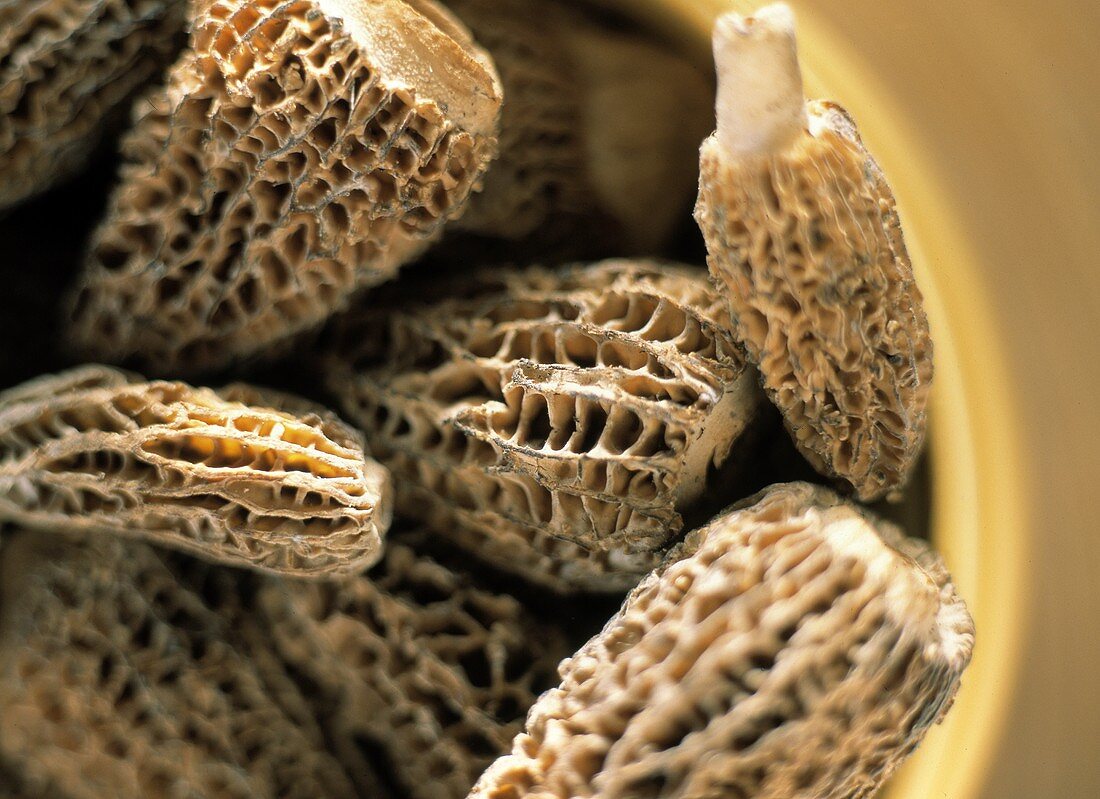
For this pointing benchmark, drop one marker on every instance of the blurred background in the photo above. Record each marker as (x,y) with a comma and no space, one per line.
(1002,102)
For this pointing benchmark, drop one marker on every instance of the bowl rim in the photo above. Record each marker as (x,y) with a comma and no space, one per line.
(978,487)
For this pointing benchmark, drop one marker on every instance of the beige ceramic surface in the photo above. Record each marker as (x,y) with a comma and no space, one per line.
(986,118)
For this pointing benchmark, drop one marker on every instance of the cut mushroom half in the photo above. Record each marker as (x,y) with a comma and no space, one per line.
(803,236)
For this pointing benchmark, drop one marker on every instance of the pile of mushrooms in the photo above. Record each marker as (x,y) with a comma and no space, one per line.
(595,521)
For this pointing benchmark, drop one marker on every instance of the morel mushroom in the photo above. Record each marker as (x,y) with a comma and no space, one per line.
(299,152)
(793,648)
(64,69)
(803,236)
(599,132)
(98,451)
(555,424)
(421,673)
(121,677)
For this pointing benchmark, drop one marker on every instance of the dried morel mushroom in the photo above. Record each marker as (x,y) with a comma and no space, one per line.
(804,237)
(599,130)
(95,450)
(118,678)
(64,68)
(794,648)
(553,423)
(421,674)
(300,151)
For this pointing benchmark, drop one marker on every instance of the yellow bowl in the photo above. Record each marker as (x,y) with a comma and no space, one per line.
(978,491)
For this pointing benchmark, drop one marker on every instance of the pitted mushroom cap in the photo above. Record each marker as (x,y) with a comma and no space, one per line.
(598,131)
(96,451)
(65,68)
(422,672)
(803,238)
(554,423)
(791,649)
(299,151)
(124,675)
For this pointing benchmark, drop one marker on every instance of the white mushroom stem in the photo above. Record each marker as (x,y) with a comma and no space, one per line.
(760,105)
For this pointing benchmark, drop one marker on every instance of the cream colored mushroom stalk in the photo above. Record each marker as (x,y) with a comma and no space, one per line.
(803,235)
(794,648)
(299,151)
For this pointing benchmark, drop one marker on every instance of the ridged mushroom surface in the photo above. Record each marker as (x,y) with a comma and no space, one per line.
(65,67)
(803,237)
(795,648)
(96,451)
(421,673)
(121,675)
(599,132)
(300,151)
(554,423)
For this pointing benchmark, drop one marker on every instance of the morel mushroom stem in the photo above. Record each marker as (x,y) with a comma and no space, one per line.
(760,106)
(803,236)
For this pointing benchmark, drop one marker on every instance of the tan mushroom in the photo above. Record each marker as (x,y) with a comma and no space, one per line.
(804,239)
(794,648)
(421,673)
(126,671)
(65,69)
(556,424)
(599,132)
(95,452)
(300,151)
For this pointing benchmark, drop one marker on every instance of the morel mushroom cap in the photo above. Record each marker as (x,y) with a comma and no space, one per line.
(791,649)
(121,677)
(804,238)
(599,130)
(553,423)
(421,673)
(95,450)
(64,68)
(300,151)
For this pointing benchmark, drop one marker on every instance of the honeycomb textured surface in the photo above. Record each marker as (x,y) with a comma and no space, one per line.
(552,423)
(65,66)
(582,167)
(98,451)
(539,179)
(807,245)
(119,677)
(421,674)
(790,652)
(300,150)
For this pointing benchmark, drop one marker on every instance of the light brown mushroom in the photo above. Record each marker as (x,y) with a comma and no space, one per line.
(300,151)
(65,69)
(803,237)
(95,451)
(794,648)
(556,424)
(599,132)
(421,673)
(128,671)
